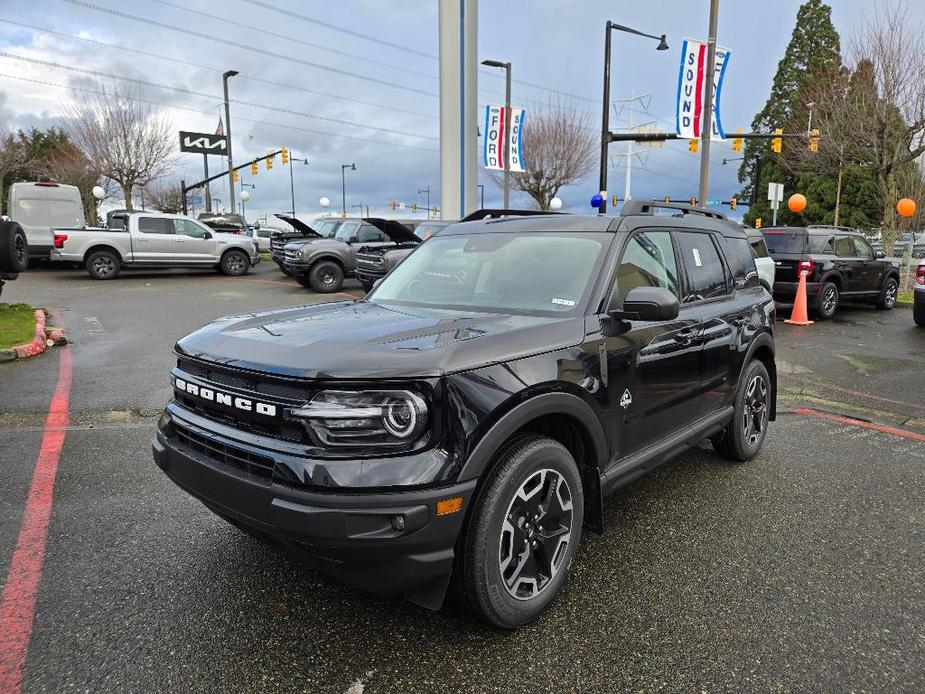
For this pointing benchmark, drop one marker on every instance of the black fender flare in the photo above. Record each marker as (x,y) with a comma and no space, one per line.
(835,278)
(509,423)
(765,340)
(325,255)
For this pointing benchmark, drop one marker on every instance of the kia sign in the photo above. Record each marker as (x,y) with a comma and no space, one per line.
(203,143)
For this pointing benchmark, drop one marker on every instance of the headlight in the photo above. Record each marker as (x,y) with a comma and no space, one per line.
(364,418)
(300,253)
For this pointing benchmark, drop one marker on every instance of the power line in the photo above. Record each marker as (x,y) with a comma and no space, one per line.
(183,90)
(244,46)
(271,124)
(277,35)
(216,69)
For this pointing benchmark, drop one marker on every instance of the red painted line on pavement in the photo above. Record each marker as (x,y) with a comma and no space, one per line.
(17,604)
(861,393)
(860,423)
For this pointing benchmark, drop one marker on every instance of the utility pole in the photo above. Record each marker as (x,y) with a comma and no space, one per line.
(205,170)
(707,131)
(426,190)
(643,101)
(225,76)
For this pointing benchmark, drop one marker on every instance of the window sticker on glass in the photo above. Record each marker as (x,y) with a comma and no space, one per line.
(563,302)
(697,261)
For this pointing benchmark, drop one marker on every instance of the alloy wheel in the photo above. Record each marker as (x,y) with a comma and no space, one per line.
(234,263)
(104,266)
(535,534)
(755,416)
(890,297)
(19,249)
(829,301)
(327,278)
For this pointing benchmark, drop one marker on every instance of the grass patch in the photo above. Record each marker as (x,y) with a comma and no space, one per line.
(905,297)
(17,324)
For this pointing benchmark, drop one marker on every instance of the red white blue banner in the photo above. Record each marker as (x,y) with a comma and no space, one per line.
(493,139)
(692,72)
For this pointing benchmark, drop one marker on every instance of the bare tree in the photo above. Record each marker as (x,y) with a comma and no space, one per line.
(70,165)
(873,112)
(165,196)
(127,141)
(559,149)
(13,156)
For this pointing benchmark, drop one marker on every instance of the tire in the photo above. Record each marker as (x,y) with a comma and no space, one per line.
(887,298)
(103,265)
(744,436)
(235,263)
(326,276)
(367,286)
(826,303)
(303,280)
(14,248)
(488,580)
(918,313)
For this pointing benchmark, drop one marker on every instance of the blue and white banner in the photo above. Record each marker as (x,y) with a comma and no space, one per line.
(493,139)
(692,87)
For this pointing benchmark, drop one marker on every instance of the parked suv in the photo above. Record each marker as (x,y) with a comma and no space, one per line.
(461,424)
(839,264)
(918,294)
(374,263)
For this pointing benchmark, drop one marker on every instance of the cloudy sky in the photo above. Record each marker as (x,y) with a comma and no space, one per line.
(356,80)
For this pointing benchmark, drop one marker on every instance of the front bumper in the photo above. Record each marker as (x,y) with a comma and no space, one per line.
(785,292)
(348,535)
(369,275)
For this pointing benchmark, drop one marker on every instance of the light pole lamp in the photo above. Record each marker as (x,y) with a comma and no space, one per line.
(291,184)
(343,185)
(245,196)
(507,126)
(605,119)
(426,190)
(225,76)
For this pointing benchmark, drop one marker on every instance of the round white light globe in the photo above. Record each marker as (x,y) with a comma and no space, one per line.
(98,192)
(324,202)
(245,196)
(555,204)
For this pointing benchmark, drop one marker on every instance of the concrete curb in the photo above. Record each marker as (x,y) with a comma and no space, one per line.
(44,338)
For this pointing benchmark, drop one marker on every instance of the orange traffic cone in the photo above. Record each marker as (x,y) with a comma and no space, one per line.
(799,316)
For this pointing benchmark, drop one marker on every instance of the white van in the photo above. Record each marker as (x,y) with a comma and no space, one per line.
(40,207)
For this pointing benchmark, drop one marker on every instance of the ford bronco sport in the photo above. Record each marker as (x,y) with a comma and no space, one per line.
(460,426)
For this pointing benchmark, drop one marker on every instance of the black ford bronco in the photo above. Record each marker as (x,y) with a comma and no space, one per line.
(460,425)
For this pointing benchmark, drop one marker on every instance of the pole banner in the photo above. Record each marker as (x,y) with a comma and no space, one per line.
(493,136)
(691,87)
(516,156)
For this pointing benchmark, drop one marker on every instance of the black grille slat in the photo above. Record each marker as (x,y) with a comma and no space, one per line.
(259,465)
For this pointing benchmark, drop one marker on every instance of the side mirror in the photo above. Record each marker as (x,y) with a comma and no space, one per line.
(649,304)
(207,235)
(353,239)
(880,254)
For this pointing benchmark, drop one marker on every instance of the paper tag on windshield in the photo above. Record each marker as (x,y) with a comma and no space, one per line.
(563,302)
(697,261)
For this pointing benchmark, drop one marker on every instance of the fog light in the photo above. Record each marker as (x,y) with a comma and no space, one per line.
(398,522)
(448,506)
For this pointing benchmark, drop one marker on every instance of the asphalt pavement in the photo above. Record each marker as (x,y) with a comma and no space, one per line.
(803,570)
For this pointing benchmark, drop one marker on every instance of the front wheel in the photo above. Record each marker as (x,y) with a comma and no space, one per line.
(887,298)
(521,537)
(826,301)
(743,437)
(235,263)
(918,313)
(103,265)
(367,286)
(326,277)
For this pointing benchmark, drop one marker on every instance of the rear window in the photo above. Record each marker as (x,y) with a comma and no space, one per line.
(759,247)
(785,241)
(821,244)
(155,225)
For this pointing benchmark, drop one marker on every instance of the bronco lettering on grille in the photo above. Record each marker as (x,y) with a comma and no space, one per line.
(212,395)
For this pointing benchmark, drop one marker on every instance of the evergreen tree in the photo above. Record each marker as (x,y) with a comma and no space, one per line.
(813,52)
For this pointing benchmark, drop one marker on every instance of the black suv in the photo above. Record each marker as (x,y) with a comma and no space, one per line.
(461,424)
(839,263)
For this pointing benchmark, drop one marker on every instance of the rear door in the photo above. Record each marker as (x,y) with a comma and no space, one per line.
(154,242)
(193,243)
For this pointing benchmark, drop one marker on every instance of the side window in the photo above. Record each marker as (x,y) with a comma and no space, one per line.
(705,273)
(741,261)
(844,247)
(863,248)
(369,234)
(759,247)
(155,225)
(187,227)
(647,261)
(821,244)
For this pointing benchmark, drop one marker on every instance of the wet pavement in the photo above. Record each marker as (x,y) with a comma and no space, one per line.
(803,570)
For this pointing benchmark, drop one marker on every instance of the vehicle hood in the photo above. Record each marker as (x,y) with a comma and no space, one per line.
(298,225)
(396,231)
(360,340)
(229,237)
(314,243)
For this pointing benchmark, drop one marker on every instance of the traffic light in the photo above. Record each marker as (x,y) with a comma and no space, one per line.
(693,145)
(414,207)
(613,200)
(253,168)
(757,222)
(393,204)
(269,161)
(284,156)
(667,199)
(737,142)
(693,199)
(435,210)
(777,143)
(732,204)
(234,175)
(814,140)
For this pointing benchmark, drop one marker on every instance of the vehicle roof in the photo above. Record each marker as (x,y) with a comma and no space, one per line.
(814,230)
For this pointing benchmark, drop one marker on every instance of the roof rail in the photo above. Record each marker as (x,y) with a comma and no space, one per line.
(496,213)
(635,207)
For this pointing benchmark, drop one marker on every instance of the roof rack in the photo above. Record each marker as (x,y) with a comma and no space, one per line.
(497,213)
(637,207)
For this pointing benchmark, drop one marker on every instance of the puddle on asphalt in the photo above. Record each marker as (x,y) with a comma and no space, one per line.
(867,364)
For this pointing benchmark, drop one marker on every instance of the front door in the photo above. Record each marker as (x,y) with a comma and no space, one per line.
(849,264)
(653,368)
(155,241)
(871,270)
(194,243)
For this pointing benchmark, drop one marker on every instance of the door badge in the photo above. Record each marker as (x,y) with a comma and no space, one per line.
(627,399)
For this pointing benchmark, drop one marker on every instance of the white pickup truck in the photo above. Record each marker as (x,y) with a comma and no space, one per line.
(152,239)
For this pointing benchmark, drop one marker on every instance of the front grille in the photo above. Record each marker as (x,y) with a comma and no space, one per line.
(245,381)
(222,453)
(374,262)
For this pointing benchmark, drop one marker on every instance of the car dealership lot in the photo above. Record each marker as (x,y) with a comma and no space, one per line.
(801,570)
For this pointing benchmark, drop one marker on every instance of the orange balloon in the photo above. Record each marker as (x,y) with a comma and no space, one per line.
(796,203)
(906,207)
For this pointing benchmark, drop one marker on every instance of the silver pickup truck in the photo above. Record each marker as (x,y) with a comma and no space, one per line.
(152,239)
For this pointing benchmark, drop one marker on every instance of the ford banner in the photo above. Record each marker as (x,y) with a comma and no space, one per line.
(493,134)
(691,77)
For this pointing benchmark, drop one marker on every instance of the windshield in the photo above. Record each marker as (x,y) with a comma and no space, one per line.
(785,241)
(326,227)
(347,231)
(542,273)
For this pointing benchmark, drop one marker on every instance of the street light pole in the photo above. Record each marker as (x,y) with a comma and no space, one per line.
(605,106)
(481,196)
(225,76)
(507,126)
(343,185)
(291,184)
(426,190)
(707,131)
